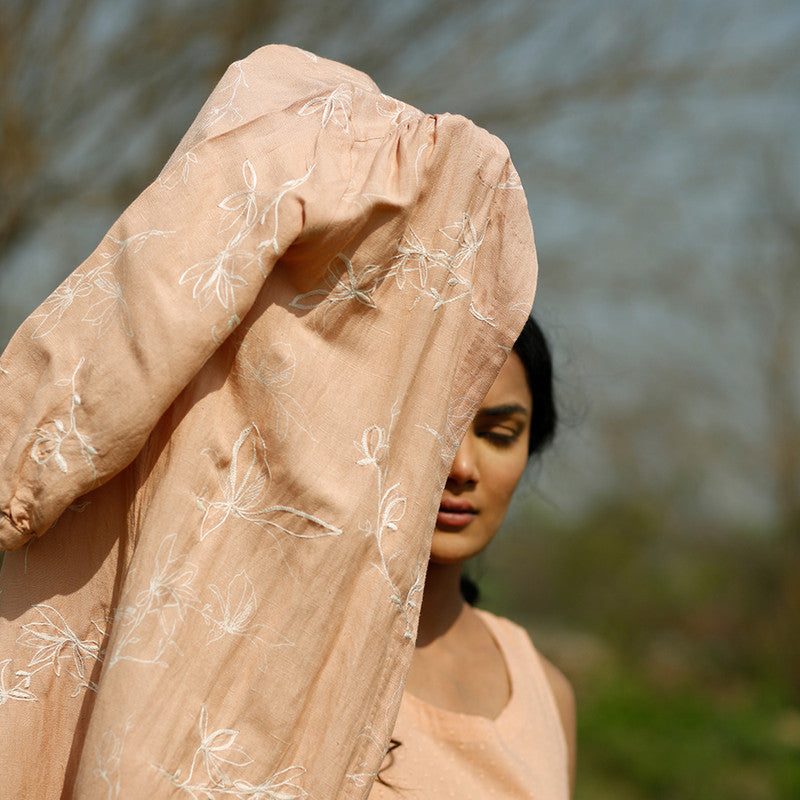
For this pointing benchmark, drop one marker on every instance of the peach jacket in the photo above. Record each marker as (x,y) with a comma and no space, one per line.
(223,440)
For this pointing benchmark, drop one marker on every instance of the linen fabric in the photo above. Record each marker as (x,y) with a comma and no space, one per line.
(521,755)
(223,441)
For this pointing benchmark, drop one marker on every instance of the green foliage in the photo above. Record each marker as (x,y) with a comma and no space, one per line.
(645,742)
(680,640)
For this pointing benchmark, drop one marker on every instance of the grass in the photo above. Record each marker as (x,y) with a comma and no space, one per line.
(637,740)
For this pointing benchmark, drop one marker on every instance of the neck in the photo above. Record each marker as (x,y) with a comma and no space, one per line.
(441,603)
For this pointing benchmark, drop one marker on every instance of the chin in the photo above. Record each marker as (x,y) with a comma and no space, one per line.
(453,548)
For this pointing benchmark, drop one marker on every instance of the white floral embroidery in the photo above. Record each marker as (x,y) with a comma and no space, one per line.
(511,182)
(161,608)
(219,276)
(274,372)
(466,238)
(234,612)
(412,254)
(226,107)
(49,438)
(374,450)
(166,599)
(100,278)
(107,760)
(56,646)
(248,208)
(177,171)
(410,266)
(462,264)
(243,488)
(14,691)
(341,286)
(215,766)
(336,107)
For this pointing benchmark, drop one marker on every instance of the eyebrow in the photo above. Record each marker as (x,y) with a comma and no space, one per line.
(504,411)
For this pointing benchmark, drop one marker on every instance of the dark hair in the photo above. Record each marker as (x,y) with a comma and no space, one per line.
(534,352)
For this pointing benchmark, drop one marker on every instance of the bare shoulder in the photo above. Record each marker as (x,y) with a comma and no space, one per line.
(565,702)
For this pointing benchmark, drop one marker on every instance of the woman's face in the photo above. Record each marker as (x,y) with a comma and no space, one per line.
(487,467)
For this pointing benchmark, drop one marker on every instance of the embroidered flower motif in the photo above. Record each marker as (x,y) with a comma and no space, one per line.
(55,644)
(49,438)
(16,691)
(226,107)
(341,286)
(217,278)
(242,206)
(217,749)
(467,238)
(246,212)
(243,489)
(336,107)
(249,208)
(166,599)
(374,446)
(412,253)
(101,311)
(170,586)
(80,285)
(177,171)
(374,451)
(236,609)
(511,182)
(217,756)
(51,312)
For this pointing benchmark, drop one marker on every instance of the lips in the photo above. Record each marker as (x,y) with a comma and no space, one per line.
(455,513)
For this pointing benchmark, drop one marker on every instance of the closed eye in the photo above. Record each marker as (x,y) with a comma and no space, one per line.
(501,425)
(501,437)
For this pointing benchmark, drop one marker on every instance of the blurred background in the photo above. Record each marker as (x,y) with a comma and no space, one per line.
(654,552)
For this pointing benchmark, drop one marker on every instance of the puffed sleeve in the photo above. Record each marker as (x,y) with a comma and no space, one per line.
(90,372)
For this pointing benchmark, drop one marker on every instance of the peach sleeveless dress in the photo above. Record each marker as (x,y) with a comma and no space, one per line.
(223,440)
(520,754)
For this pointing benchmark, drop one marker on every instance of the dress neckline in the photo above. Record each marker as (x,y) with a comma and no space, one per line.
(490,622)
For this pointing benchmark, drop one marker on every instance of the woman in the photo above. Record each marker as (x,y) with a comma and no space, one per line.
(482,711)
(218,439)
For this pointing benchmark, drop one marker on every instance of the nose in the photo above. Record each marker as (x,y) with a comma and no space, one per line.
(464,470)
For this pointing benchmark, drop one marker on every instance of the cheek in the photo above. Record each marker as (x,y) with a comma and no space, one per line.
(507,476)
